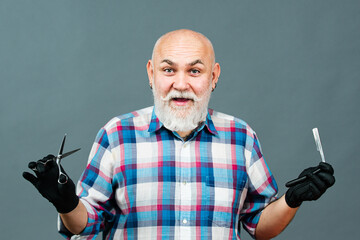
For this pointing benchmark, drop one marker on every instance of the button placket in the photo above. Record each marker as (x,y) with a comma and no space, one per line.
(185,187)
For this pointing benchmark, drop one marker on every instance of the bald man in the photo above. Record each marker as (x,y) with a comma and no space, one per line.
(177,170)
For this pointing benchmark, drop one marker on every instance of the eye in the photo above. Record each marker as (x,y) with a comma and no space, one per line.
(168,70)
(194,71)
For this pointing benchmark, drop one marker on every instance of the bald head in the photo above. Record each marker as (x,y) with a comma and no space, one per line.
(184,39)
(182,74)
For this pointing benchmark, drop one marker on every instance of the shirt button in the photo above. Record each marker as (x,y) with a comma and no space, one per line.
(184,221)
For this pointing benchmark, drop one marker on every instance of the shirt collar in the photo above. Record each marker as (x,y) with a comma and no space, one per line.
(209,123)
(156,124)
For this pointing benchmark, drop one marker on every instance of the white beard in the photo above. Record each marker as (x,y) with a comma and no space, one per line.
(181,118)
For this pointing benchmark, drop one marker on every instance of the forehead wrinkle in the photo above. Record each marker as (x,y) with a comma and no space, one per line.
(192,56)
(193,63)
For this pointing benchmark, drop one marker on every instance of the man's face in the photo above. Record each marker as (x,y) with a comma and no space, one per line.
(182,74)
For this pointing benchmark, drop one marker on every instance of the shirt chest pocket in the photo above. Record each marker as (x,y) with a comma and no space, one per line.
(224,198)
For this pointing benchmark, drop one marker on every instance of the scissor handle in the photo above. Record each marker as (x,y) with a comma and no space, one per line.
(63,178)
(300,179)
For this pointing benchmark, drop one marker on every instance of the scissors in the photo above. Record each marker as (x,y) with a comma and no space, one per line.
(63,178)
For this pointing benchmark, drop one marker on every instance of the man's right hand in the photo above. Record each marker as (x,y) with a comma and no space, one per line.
(62,196)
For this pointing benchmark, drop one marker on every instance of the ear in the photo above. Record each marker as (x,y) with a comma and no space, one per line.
(215,75)
(150,72)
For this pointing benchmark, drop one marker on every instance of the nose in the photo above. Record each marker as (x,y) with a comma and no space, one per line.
(181,82)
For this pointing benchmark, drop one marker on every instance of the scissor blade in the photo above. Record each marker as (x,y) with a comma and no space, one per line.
(69,153)
(318,143)
(317,138)
(62,146)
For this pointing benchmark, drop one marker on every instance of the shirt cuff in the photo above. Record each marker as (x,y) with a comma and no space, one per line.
(251,221)
(91,229)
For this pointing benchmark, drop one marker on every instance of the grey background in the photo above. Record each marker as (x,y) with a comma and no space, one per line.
(287,66)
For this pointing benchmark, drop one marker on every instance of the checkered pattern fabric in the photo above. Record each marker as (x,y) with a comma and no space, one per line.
(145,182)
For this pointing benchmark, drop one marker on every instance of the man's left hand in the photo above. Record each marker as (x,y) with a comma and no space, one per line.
(314,185)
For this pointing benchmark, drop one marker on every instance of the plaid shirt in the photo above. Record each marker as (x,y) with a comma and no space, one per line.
(143,181)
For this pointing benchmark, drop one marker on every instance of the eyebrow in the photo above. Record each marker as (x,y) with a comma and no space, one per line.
(195,62)
(171,63)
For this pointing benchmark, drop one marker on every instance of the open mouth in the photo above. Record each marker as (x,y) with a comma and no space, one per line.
(181,101)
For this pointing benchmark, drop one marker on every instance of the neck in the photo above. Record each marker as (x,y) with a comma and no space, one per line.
(184,134)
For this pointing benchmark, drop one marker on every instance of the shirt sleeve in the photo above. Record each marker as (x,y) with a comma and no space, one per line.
(262,188)
(95,189)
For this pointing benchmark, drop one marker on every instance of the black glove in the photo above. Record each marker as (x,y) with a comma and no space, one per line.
(312,187)
(62,196)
